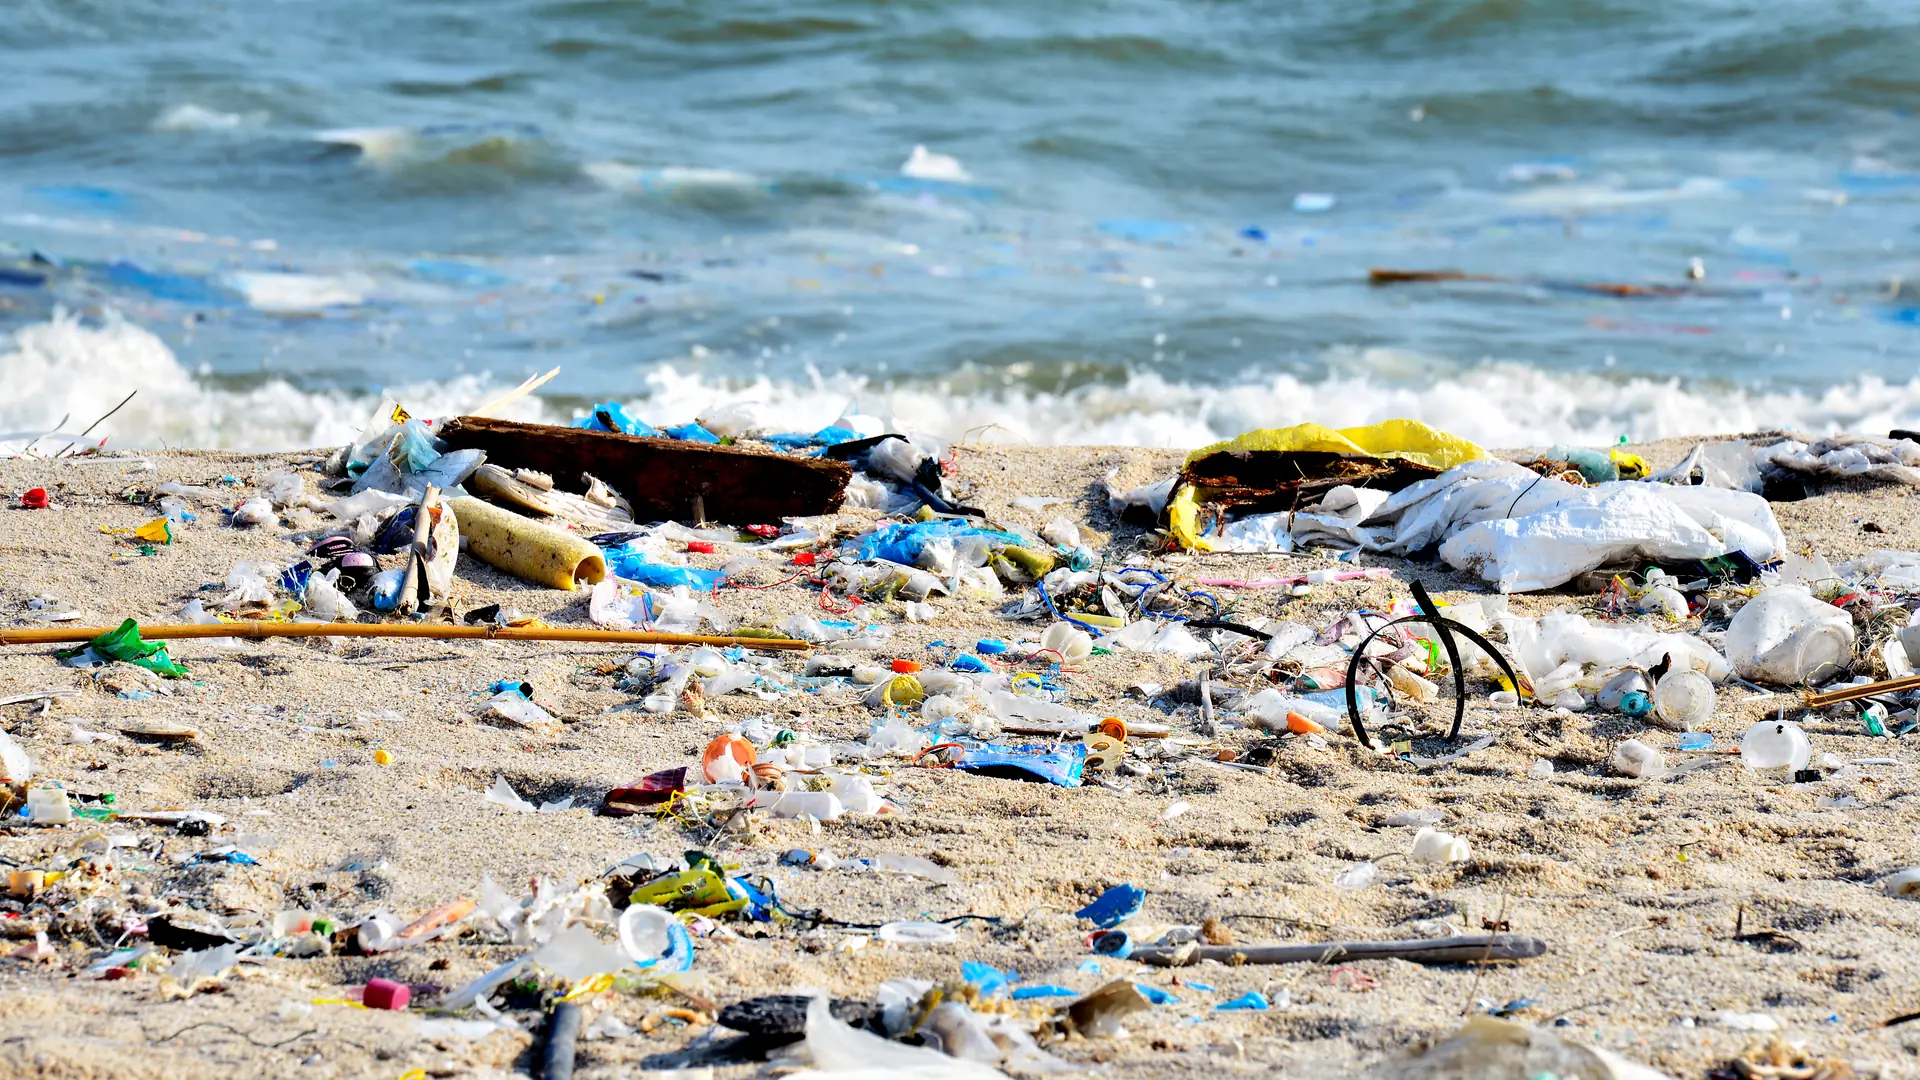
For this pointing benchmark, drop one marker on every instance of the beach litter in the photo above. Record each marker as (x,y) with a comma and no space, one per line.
(821,633)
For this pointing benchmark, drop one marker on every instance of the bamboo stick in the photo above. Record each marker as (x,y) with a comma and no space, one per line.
(1865,690)
(1454,950)
(251,629)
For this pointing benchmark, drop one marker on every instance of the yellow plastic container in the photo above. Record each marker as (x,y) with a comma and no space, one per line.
(525,548)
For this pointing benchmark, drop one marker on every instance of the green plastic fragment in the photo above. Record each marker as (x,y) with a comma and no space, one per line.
(125,644)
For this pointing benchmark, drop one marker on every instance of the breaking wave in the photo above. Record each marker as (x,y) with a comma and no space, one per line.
(76,370)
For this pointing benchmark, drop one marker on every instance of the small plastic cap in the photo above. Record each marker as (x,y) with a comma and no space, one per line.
(385,994)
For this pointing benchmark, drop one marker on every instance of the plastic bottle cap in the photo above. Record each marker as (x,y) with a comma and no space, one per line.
(383,757)
(385,994)
(905,667)
(699,547)
(34,499)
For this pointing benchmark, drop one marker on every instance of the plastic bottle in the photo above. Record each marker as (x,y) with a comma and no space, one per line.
(513,707)
(1775,744)
(819,805)
(1412,685)
(1626,682)
(1683,700)
(385,588)
(1596,466)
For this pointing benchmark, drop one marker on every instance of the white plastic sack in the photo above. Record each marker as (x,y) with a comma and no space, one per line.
(1544,645)
(1522,532)
(1548,548)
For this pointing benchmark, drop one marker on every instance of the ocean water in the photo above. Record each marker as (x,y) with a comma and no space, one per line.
(1133,221)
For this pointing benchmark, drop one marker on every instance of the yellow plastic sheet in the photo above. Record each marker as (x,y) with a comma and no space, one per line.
(1409,440)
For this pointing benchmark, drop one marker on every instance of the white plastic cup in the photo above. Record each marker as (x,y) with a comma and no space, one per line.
(1683,700)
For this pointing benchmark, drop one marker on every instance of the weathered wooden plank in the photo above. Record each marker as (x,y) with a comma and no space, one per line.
(664,479)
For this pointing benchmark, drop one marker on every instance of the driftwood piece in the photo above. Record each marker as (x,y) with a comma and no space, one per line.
(1473,949)
(664,479)
(1273,481)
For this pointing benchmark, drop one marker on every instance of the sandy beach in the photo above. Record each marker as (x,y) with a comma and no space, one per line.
(1637,886)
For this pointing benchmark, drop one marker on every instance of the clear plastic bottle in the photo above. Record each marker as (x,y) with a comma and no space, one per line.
(1412,685)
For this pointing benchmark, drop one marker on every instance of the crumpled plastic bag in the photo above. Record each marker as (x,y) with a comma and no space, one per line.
(125,644)
(843,1052)
(1521,532)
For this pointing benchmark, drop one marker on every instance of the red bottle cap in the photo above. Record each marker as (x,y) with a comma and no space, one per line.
(385,994)
(34,499)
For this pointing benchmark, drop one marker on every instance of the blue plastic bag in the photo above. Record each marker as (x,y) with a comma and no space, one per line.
(633,565)
(985,978)
(827,436)
(613,416)
(1060,765)
(903,543)
(690,433)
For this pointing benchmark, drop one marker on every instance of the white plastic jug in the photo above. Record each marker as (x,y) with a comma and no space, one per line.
(1786,636)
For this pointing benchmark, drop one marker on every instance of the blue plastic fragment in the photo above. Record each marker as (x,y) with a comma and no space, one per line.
(1156,995)
(294,578)
(690,433)
(985,978)
(1043,990)
(613,416)
(1202,987)
(1694,740)
(831,435)
(1089,967)
(989,646)
(759,905)
(970,663)
(1253,1000)
(1115,906)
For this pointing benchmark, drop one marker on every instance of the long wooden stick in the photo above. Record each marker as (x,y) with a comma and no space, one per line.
(251,629)
(1471,949)
(1865,690)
